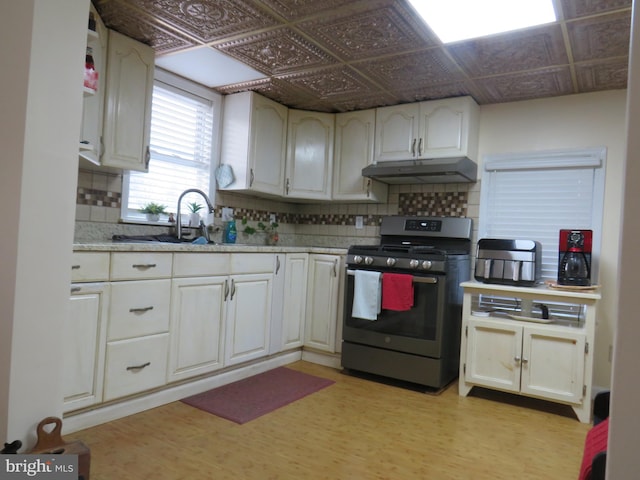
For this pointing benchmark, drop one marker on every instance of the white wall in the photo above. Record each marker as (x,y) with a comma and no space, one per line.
(42,56)
(624,433)
(574,121)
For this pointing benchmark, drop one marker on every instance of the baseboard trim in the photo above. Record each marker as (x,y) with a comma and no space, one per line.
(332,360)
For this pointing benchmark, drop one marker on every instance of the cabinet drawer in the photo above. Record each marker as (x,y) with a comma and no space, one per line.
(135,365)
(90,266)
(140,265)
(139,308)
(252,263)
(198,264)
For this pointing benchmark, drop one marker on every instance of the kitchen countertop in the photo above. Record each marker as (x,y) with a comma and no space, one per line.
(109,246)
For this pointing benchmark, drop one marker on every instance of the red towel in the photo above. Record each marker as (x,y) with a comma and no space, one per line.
(595,443)
(397,291)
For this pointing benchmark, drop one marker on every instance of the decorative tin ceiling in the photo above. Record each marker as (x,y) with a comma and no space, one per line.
(342,55)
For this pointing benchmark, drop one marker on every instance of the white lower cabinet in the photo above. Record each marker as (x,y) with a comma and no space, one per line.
(138,330)
(248,317)
(154,318)
(221,311)
(323,288)
(85,333)
(198,310)
(534,360)
(295,299)
(139,308)
(135,365)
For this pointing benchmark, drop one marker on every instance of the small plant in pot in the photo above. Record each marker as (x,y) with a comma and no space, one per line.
(194,218)
(153,211)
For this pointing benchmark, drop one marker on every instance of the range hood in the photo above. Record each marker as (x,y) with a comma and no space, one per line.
(435,170)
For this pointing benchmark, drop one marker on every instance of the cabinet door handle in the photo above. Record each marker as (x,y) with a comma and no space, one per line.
(251,177)
(368,188)
(75,267)
(101,153)
(138,367)
(420,148)
(525,361)
(517,359)
(75,289)
(147,157)
(140,310)
(233,289)
(143,266)
(277,264)
(286,189)
(226,290)
(335,267)
(413,148)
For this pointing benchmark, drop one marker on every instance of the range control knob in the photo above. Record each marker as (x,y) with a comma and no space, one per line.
(368,260)
(391,262)
(357,259)
(426,265)
(414,263)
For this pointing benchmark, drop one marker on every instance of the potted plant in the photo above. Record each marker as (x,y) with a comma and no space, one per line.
(270,231)
(194,218)
(153,211)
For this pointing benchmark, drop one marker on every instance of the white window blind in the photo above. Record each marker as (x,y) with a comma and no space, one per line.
(182,126)
(535,196)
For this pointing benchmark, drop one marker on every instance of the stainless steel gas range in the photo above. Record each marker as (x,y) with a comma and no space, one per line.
(414,335)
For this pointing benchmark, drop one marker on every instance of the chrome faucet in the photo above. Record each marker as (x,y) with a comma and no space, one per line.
(178,216)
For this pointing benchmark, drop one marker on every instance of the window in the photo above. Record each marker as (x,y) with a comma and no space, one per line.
(183,121)
(534,196)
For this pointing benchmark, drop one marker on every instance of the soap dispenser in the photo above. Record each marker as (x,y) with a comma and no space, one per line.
(230,232)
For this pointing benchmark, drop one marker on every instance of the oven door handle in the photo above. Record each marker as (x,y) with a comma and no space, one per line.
(431,280)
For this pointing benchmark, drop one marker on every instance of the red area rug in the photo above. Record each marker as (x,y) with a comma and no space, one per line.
(255,396)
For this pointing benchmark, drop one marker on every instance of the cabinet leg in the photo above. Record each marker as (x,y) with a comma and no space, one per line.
(583,412)
(463,387)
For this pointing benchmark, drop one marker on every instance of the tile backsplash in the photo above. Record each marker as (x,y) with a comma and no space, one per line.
(99,199)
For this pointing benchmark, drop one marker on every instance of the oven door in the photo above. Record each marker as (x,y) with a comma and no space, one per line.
(417,331)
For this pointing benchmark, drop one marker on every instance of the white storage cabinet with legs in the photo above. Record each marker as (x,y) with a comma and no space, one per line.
(551,360)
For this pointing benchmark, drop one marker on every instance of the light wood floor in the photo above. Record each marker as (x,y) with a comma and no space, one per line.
(354,429)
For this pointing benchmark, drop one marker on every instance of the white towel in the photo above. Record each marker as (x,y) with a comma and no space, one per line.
(366,295)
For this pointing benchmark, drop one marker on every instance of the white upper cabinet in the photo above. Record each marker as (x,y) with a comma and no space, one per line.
(354,139)
(129,88)
(93,99)
(434,129)
(254,140)
(396,132)
(309,163)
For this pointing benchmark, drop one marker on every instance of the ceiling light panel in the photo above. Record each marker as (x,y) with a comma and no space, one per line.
(455,20)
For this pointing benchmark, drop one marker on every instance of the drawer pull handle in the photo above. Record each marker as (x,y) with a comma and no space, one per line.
(143,266)
(140,310)
(75,267)
(138,367)
(75,289)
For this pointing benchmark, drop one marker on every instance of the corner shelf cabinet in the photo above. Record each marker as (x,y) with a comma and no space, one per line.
(550,360)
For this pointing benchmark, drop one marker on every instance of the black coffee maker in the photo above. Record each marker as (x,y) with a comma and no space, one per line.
(574,257)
